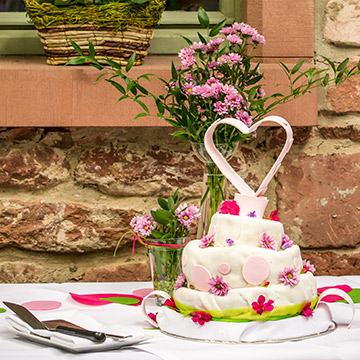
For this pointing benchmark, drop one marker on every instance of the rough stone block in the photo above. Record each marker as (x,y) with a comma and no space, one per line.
(342,22)
(61,227)
(345,98)
(132,170)
(35,167)
(20,272)
(351,132)
(319,200)
(126,272)
(334,264)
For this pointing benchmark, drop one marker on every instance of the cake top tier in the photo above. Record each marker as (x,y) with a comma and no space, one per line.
(245,230)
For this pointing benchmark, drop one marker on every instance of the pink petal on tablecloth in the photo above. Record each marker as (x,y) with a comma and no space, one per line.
(333,298)
(94,299)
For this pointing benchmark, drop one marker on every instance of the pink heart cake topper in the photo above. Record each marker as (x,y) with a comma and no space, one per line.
(248,199)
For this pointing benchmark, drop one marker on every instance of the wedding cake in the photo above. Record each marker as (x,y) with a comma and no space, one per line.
(245,280)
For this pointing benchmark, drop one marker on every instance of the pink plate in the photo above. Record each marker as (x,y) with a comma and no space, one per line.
(42,305)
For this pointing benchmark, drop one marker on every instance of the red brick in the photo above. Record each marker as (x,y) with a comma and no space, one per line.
(319,200)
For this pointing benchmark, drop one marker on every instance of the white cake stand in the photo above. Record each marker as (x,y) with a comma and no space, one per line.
(295,328)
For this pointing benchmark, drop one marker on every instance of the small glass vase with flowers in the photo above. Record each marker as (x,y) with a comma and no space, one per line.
(164,232)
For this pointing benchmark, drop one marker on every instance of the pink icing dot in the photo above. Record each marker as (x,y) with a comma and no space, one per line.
(200,277)
(224,268)
(256,270)
(184,260)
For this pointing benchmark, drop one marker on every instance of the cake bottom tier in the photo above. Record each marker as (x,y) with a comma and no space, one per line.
(294,328)
(237,304)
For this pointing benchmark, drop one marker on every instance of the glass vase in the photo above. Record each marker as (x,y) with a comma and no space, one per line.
(165,264)
(214,189)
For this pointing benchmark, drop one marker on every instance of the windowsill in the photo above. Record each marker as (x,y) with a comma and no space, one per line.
(39,95)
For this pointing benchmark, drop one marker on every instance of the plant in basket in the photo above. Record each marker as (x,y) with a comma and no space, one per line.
(216,78)
(116,28)
(164,232)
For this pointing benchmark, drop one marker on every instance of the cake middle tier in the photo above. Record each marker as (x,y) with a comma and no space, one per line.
(239,266)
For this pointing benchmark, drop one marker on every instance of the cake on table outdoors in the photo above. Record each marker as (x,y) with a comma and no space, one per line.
(245,281)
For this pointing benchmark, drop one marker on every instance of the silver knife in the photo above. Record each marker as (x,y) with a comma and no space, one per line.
(25,315)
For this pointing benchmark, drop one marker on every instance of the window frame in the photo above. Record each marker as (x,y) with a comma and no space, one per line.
(19,37)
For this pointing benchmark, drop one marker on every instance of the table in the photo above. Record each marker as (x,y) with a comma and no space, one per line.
(342,344)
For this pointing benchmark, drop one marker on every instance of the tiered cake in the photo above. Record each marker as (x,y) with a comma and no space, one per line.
(243,259)
(245,280)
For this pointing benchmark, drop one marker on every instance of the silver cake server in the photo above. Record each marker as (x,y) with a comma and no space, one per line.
(25,315)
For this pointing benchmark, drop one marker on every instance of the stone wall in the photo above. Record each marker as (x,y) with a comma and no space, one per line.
(67,194)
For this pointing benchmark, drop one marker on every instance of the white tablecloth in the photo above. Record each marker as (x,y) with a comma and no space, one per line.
(342,344)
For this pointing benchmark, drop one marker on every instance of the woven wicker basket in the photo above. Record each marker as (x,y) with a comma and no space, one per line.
(116,41)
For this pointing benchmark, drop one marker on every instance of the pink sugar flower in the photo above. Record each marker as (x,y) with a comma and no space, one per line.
(286,242)
(227,30)
(206,241)
(218,286)
(152,316)
(289,276)
(252,214)
(268,242)
(273,216)
(260,305)
(180,282)
(229,207)
(307,311)
(170,303)
(307,266)
(201,317)
(230,242)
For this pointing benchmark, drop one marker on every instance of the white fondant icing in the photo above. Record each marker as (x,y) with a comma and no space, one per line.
(303,292)
(236,256)
(184,261)
(245,230)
